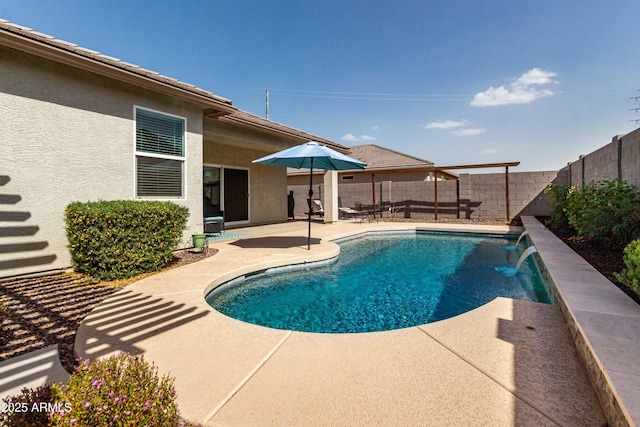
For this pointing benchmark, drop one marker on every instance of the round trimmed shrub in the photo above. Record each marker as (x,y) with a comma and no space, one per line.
(123,238)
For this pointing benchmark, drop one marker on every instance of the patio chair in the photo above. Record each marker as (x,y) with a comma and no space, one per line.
(364,211)
(316,208)
(214,224)
(346,212)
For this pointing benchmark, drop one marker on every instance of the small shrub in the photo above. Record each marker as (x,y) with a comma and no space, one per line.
(32,407)
(630,276)
(120,390)
(123,238)
(607,211)
(558,203)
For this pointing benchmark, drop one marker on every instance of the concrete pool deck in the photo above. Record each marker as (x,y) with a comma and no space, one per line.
(505,363)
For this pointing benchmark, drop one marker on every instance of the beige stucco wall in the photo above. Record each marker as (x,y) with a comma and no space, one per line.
(68,135)
(229,146)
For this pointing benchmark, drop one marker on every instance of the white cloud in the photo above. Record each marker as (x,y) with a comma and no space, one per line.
(468,132)
(535,76)
(446,124)
(375,127)
(489,151)
(352,138)
(521,91)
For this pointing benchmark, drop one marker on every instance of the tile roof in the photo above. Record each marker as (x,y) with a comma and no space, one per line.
(27,39)
(377,157)
(380,158)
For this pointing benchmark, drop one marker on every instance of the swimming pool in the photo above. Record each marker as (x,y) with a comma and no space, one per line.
(383,282)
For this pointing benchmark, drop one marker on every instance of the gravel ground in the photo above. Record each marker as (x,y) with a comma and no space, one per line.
(41,311)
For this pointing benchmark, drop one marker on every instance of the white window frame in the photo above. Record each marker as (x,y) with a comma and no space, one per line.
(137,154)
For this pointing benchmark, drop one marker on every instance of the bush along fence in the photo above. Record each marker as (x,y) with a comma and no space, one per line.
(608,212)
(120,239)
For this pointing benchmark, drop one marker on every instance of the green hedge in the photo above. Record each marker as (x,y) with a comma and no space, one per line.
(119,239)
(631,274)
(607,211)
(558,202)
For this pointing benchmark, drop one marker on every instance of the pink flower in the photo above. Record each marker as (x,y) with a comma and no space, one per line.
(86,405)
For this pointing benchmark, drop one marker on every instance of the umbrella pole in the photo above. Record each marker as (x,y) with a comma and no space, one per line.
(310,204)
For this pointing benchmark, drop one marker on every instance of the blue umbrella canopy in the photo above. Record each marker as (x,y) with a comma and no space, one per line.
(311,155)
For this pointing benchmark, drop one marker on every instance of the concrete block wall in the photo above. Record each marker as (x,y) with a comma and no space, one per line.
(486,193)
(620,159)
(603,163)
(526,193)
(630,158)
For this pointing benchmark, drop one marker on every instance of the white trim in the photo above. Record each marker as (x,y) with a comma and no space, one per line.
(182,158)
(222,190)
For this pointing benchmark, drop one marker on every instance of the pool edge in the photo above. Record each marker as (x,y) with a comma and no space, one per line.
(556,262)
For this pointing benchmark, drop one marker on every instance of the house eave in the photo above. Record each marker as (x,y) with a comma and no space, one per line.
(66,53)
(245,119)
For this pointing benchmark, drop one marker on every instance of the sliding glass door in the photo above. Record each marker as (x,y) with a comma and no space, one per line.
(226,193)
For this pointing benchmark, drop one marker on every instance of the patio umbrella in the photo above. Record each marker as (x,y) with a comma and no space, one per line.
(311,155)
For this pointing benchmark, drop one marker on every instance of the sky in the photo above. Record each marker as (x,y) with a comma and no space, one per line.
(454,82)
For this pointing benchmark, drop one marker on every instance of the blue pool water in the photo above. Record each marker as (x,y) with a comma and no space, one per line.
(383,282)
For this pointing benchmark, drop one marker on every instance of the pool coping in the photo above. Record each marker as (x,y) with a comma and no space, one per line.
(604,323)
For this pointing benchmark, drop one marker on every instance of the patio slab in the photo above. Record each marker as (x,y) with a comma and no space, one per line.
(31,370)
(388,378)
(475,369)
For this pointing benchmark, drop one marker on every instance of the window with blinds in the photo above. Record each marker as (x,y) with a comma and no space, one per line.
(159,155)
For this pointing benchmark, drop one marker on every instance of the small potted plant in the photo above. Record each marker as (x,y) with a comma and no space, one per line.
(198,240)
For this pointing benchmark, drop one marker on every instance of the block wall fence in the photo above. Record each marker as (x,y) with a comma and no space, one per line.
(482,196)
(620,159)
(474,196)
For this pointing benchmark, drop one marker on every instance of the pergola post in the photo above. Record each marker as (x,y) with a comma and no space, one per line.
(373,194)
(506,185)
(435,193)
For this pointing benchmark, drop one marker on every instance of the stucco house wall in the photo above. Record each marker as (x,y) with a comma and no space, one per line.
(267,184)
(69,135)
